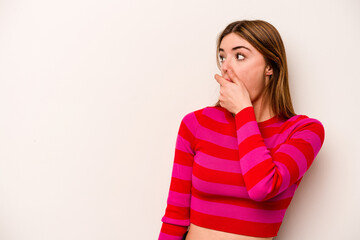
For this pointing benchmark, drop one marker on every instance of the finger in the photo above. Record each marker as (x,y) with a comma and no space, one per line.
(233,77)
(220,79)
(227,79)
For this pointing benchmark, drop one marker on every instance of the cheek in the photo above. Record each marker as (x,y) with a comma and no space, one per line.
(253,78)
(250,76)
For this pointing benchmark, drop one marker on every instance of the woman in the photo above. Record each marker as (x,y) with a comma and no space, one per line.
(237,164)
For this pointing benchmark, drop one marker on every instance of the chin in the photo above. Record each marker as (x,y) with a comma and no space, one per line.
(256,98)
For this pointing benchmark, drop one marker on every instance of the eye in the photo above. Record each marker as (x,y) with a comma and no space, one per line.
(221,58)
(239,54)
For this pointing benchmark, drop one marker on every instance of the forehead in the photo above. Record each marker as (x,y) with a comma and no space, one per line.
(231,40)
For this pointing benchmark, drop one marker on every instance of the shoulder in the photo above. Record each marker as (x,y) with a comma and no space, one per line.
(208,113)
(191,120)
(304,123)
(194,112)
(202,116)
(197,113)
(305,120)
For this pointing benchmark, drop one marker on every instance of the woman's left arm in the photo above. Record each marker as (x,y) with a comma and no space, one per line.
(268,174)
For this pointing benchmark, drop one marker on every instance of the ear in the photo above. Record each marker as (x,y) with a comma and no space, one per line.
(268,70)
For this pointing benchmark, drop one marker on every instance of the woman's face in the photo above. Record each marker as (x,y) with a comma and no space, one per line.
(247,63)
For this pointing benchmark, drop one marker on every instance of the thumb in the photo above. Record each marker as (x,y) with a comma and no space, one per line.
(220,79)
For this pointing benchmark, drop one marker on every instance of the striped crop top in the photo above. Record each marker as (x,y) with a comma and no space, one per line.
(235,174)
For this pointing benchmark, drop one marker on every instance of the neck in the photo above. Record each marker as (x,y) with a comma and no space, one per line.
(262,111)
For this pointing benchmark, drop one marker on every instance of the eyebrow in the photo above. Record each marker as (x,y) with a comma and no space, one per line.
(234,48)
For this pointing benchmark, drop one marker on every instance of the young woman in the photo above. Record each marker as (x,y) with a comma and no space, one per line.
(238,163)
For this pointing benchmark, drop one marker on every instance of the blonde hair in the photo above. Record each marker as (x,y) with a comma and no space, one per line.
(266,39)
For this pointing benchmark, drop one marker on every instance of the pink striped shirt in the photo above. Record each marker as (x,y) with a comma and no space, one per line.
(235,174)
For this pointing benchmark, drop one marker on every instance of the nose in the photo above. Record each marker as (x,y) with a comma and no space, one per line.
(225,66)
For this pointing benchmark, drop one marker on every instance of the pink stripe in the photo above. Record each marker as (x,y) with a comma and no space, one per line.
(277,138)
(247,130)
(220,189)
(215,114)
(183,145)
(262,188)
(284,172)
(253,158)
(191,122)
(294,118)
(215,163)
(275,125)
(182,172)
(311,138)
(237,212)
(265,186)
(271,142)
(295,154)
(289,192)
(217,138)
(282,137)
(179,199)
(185,222)
(164,236)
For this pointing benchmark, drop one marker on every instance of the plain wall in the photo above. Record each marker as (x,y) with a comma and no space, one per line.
(92,94)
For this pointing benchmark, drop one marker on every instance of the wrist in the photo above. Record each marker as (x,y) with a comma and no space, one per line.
(240,109)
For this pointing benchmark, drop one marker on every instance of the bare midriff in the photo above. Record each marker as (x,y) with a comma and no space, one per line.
(201,233)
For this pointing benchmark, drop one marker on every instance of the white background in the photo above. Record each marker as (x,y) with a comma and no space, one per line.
(92,93)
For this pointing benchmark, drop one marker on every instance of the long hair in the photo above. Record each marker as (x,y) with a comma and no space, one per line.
(266,39)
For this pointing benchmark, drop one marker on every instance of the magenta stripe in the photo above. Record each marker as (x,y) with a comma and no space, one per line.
(164,236)
(215,114)
(265,186)
(184,222)
(215,163)
(294,118)
(217,138)
(262,188)
(277,138)
(181,171)
(248,129)
(270,141)
(311,138)
(289,192)
(179,199)
(285,174)
(282,137)
(191,122)
(296,155)
(220,189)
(253,158)
(275,125)
(183,145)
(237,212)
